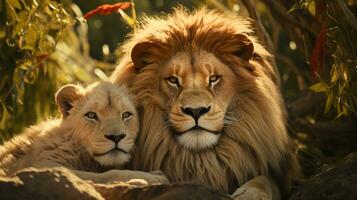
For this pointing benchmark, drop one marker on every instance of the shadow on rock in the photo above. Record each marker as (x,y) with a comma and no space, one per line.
(60,183)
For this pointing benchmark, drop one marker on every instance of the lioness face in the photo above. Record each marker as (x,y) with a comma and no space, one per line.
(104,120)
(199,87)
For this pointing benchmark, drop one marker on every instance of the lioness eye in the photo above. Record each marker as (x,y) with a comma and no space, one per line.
(126,115)
(173,80)
(91,116)
(214,79)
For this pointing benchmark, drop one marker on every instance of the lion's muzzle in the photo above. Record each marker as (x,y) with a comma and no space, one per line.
(195,113)
(196,119)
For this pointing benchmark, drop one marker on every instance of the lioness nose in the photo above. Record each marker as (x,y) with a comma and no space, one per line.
(196,113)
(115,138)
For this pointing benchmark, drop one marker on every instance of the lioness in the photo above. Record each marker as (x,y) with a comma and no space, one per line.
(97,132)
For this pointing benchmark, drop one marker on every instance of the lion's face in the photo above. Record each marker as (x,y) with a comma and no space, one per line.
(209,99)
(199,89)
(102,118)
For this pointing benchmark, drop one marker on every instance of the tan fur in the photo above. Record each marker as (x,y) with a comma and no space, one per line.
(77,142)
(192,46)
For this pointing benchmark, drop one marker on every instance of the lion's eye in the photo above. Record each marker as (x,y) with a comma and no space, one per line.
(126,115)
(172,80)
(214,79)
(91,116)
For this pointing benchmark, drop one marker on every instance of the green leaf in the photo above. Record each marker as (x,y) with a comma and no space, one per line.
(318,87)
(14,3)
(296,6)
(11,15)
(127,19)
(19,29)
(31,75)
(2,33)
(46,44)
(30,39)
(334,75)
(22,16)
(311,7)
(35,3)
(19,83)
(329,101)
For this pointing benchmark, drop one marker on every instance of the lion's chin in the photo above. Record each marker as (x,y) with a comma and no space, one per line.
(197,139)
(112,159)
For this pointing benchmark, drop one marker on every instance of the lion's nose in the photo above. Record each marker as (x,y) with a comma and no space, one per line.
(115,138)
(196,113)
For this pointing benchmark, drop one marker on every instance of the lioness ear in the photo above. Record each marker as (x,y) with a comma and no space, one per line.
(143,54)
(65,97)
(243,47)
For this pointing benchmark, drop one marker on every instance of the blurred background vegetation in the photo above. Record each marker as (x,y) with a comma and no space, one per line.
(47,43)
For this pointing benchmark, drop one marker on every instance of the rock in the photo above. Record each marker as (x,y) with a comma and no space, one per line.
(60,183)
(52,183)
(337,183)
(182,191)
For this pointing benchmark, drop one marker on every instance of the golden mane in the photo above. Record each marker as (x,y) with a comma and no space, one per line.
(255,144)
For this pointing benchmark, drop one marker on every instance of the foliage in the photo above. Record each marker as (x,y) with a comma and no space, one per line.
(340,27)
(30,32)
(322,122)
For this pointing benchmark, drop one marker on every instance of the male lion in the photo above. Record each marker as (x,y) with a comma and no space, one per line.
(97,132)
(210,105)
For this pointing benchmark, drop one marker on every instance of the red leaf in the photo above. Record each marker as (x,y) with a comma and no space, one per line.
(41,57)
(107,9)
(318,53)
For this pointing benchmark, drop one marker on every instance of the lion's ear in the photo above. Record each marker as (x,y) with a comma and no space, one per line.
(65,97)
(243,47)
(144,53)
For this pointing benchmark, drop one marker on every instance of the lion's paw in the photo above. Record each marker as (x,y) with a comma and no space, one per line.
(250,194)
(128,175)
(137,182)
(157,177)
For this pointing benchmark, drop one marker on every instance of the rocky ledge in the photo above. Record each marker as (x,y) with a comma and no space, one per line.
(339,182)
(60,183)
